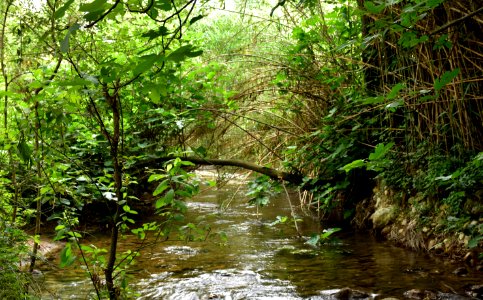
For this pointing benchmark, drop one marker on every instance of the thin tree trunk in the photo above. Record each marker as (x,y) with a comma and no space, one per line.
(117,165)
(11,161)
(38,215)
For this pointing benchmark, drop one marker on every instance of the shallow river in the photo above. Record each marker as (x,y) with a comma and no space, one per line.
(261,261)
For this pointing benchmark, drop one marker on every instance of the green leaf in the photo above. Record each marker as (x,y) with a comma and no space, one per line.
(61,11)
(36,238)
(155,177)
(353,165)
(24,150)
(127,209)
(74,82)
(67,257)
(152,34)
(92,16)
(169,195)
(154,95)
(395,90)
(146,62)
(182,52)
(45,189)
(7,93)
(473,243)
(373,8)
(446,78)
(380,151)
(163,4)
(59,227)
(167,199)
(161,187)
(93,6)
(328,232)
(195,19)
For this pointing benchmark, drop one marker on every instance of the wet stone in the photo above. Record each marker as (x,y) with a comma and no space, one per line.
(419,294)
(348,294)
(449,296)
(475,291)
(460,271)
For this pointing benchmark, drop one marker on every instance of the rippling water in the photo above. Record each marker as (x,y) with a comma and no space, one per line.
(261,261)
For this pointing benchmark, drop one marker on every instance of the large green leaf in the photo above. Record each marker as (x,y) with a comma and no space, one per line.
(161,187)
(61,11)
(154,33)
(146,62)
(195,19)
(373,8)
(96,5)
(358,163)
(24,150)
(67,257)
(446,78)
(395,90)
(183,52)
(380,151)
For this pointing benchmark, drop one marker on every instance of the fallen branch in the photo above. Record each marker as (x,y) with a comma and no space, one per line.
(293,178)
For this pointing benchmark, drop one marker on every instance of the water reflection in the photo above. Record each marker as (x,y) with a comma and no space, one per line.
(260,261)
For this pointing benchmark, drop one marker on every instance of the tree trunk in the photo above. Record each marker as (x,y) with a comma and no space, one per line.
(38,214)
(114,139)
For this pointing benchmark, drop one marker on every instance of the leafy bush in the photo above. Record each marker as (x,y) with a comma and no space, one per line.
(13,283)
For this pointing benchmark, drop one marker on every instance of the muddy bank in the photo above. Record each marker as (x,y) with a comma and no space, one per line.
(422,224)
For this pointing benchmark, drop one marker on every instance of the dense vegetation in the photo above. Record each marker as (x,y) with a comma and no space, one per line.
(103,99)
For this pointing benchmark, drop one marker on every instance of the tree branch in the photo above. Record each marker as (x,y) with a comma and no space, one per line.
(103,15)
(454,22)
(294,178)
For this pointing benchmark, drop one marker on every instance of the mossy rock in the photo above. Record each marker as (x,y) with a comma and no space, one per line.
(383,216)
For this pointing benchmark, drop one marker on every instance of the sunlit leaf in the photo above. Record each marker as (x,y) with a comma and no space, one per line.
(353,165)
(146,62)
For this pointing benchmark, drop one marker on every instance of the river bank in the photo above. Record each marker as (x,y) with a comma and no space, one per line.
(422,225)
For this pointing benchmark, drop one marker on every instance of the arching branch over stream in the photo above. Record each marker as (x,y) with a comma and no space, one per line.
(293,178)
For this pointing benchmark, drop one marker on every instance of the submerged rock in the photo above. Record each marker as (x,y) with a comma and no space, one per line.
(348,294)
(419,294)
(449,296)
(475,291)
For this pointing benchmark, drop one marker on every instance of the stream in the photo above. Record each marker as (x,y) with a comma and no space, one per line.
(264,261)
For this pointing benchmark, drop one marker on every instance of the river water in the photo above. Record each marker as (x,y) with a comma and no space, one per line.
(260,260)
